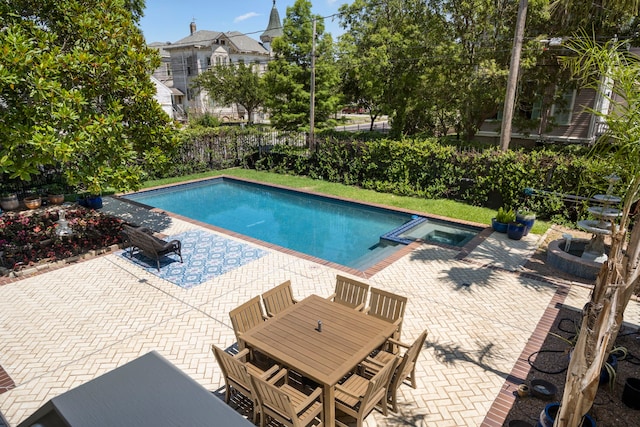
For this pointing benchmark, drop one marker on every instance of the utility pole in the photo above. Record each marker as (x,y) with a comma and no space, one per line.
(512,80)
(312,90)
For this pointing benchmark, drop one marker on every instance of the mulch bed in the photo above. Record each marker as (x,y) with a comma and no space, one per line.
(550,364)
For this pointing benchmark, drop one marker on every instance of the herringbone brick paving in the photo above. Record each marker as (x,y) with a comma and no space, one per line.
(63,328)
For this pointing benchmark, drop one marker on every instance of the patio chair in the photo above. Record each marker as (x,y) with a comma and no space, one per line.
(387,306)
(286,404)
(142,239)
(350,292)
(405,369)
(236,373)
(246,317)
(277,299)
(358,396)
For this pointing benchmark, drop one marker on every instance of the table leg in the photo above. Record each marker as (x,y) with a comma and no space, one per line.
(328,399)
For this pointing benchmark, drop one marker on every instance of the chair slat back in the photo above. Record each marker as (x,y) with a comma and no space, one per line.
(377,387)
(279,298)
(233,370)
(408,361)
(274,401)
(386,305)
(350,292)
(247,316)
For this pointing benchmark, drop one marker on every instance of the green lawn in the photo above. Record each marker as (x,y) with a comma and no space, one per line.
(442,207)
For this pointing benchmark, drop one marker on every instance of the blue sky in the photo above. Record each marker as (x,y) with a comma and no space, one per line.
(168,20)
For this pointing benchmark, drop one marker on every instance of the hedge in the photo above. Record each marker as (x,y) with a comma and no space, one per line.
(410,167)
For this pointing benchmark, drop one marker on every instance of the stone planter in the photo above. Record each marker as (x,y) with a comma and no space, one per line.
(9,202)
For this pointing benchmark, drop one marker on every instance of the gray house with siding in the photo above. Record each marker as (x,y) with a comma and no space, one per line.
(565,121)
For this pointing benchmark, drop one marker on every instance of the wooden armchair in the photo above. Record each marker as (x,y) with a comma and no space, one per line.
(286,404)
(246,317)
(358,396)
(350,292)
(277,299)
(236,372)
(405,369)
(389,307)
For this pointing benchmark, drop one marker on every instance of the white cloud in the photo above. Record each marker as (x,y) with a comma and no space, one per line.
(246,16)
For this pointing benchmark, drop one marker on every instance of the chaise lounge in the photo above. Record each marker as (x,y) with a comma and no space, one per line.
(142,239)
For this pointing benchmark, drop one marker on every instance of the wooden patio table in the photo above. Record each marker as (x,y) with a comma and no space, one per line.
(346,338)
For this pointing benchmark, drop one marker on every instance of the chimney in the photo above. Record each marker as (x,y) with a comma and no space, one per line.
(192,27)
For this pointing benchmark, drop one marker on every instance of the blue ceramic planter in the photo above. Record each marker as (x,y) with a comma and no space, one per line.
(500,227)
(516,230)
(549,413)
(527,220)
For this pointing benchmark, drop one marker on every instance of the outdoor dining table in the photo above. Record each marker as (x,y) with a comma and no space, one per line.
(324,352)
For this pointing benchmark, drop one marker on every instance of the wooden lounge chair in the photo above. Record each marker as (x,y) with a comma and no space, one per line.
(142,239)
(389,307)
(350,292)
(358,396)
(405,369)
(286,404)
(236,372)
(246,317)
(277,299)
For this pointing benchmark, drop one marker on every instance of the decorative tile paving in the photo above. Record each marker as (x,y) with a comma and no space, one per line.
(205,256)
(62,328)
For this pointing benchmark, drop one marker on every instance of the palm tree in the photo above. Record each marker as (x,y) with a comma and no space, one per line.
(620,274)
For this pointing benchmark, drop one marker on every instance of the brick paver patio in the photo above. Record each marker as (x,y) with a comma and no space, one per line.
(64,327)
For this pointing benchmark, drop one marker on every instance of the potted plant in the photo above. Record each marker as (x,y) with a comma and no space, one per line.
(33,201)
(503,217)
(609,369)
(526,217)
(91,198)
(9,201)
(515,230)
(55,194)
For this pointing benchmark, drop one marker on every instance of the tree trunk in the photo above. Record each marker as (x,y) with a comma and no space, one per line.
(601,321)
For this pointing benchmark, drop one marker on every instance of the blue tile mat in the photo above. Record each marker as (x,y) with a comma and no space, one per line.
(205,256)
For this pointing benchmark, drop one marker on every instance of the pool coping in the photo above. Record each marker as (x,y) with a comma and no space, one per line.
(463,251)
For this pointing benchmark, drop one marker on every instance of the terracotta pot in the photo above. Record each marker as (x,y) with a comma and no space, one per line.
(32,202)
(55,199)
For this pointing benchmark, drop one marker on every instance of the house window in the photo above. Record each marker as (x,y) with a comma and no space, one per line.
(562,110)
(188,70)
(208,61)
(168,69)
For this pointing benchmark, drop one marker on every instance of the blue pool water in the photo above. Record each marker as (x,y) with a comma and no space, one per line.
(337,231)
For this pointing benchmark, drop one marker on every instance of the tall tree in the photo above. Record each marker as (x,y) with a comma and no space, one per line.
(620,274)
(234,84)
(385,54)
(288,78)
(75,92)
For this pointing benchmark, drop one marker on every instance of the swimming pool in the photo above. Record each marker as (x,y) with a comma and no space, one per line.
(342,232)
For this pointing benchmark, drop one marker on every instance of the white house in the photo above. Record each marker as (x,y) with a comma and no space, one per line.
(187,58)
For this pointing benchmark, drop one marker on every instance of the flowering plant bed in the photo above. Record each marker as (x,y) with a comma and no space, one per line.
(28,238)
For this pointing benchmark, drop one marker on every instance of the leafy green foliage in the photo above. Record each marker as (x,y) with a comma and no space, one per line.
(234,84)
(288,79)
(505,215)
(75,93)
(425,168)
